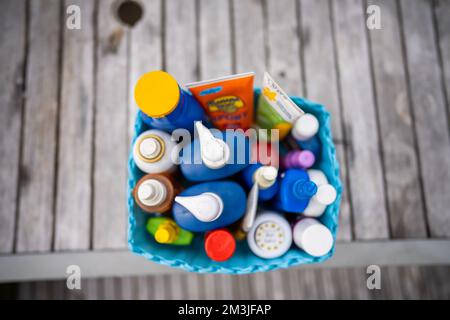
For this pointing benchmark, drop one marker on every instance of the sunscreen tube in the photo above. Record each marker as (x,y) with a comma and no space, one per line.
(228,101)
(275,109)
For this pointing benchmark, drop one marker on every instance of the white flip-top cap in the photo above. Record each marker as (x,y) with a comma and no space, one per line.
(313,237)
(317,176)
(326,194)
(305,127)
(265,176)
(214,152)
(152,192)
(252,205)
(150,148)
(206,207)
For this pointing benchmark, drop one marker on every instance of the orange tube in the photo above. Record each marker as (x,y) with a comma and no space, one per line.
(228,101)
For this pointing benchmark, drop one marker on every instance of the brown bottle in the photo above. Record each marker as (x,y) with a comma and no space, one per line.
(154,193)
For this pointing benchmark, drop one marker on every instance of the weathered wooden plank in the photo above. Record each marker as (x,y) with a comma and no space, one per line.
(143,290)
(224,286)
(192,282)
(284,46)
(431,118)
(159,287)
(108,288)
(176,286)
(442,13)
(145,50)
(360,128)
(12,59)
(25,291)
(215,39)
(275,285)
(404,198)
(258,286)
(249,46)
(111,132)
(35,221)
(180,47)
(320,73)
(308,284)
(208,287)
(91,288)
(74,190)
(128,288)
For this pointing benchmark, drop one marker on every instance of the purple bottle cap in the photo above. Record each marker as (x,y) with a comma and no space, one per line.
(299,159)
(306,159)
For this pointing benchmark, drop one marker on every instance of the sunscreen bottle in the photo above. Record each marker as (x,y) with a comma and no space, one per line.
(214,154)
(305,131)
(265,177)
(270,236)
(164,105)
(326,194)
(296,189)
(312,237)
(154,193)
(250,214)
(153,151)
(219,245)
(210,205)
(166,231)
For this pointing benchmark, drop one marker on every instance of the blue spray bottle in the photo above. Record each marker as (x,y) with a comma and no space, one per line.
(214,154)
(305,131)
(296,189)
(265,177)
(209,206)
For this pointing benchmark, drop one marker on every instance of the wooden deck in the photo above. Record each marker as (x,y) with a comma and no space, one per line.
(67,113)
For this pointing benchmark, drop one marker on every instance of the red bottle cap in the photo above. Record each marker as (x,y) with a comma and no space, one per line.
(219,245)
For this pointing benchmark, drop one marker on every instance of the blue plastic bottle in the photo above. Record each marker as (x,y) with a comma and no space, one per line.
(265,177)
(209,206)
(164,105)
(305,131)
(214,155)
(296,189)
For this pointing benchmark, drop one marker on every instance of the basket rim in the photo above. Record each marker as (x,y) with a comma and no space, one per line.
(273,264)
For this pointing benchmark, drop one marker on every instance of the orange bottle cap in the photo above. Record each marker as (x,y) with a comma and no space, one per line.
(157,94)
(220,245)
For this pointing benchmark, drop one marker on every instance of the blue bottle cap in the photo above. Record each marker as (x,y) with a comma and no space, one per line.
(304,189)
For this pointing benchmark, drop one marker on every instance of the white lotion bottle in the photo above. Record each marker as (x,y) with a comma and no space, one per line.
(325,195)
(152,152)
(312,237)
(270,235)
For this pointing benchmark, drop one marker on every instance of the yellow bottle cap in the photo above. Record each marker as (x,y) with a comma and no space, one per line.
(283,128)
(157,94)
(165,233)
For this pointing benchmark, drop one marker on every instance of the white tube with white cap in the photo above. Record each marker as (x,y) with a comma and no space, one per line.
(312,237)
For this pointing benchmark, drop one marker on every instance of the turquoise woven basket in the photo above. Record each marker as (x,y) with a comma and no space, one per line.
(193,258)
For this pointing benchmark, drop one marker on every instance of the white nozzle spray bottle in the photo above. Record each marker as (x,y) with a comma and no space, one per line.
(325,195)
(214,151)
